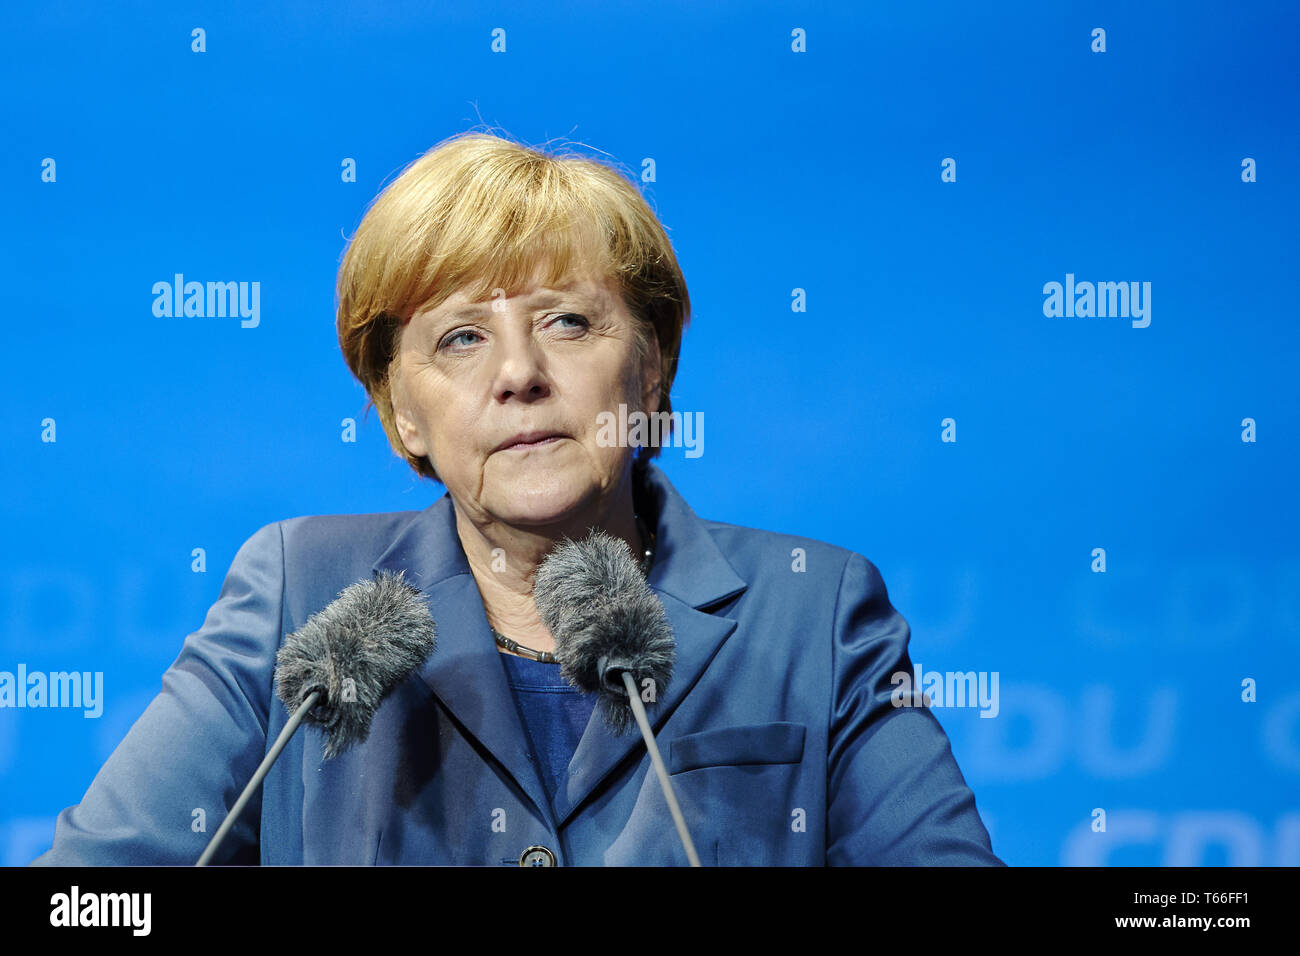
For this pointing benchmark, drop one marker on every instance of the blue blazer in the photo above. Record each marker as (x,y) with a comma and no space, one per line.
(777,726)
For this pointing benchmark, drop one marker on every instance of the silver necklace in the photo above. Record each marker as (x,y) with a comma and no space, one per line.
(548,657)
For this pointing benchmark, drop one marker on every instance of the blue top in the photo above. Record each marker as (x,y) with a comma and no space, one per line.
(554,714)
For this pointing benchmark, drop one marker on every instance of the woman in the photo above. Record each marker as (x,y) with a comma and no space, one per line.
(498,304)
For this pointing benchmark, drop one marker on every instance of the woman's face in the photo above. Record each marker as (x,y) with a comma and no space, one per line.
(475,376)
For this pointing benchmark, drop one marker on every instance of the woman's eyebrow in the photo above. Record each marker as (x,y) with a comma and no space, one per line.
(539,299)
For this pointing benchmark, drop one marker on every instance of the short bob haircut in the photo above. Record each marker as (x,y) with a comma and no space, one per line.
(479,212)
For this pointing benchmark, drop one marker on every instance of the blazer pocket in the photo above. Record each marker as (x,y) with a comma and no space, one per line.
(779,742)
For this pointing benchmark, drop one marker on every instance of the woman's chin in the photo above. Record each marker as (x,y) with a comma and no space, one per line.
(549,500)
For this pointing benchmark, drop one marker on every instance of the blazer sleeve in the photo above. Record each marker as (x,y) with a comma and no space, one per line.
(895,795)
(197,743)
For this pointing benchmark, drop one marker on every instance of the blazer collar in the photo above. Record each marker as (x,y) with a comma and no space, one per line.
(465,671)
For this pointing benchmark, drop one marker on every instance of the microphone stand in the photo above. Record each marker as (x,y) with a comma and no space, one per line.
(263,768)
(638,710)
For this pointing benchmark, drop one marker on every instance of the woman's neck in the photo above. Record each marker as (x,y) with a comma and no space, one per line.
(503,559)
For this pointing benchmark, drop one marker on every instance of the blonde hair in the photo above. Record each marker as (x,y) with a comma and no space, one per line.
(478,212)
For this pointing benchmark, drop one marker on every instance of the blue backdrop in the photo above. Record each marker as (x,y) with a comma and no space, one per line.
(869,205)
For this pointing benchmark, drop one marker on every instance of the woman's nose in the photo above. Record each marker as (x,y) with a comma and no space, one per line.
(522,371)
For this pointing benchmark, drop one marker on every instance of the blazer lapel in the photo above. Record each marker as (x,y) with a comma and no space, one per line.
(689,573)
(464,671)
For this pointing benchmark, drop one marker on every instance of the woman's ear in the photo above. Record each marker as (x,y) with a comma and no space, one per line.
(407,427)
(651,376)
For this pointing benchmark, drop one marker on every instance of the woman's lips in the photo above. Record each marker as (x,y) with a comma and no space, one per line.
(535,443)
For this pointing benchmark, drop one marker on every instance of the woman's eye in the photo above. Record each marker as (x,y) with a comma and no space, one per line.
(580,320)
(456,338)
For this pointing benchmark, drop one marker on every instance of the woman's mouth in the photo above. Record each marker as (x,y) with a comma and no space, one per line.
(528,440)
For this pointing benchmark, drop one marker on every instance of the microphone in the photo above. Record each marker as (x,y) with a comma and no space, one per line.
(336,669)
(593,598)
(612,636)
(351,654)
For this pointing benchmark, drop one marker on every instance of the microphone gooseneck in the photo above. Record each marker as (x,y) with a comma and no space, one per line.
(612,638)
(336,669)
